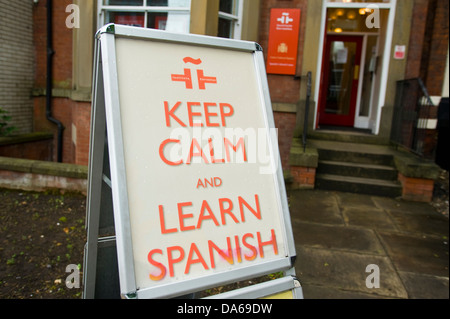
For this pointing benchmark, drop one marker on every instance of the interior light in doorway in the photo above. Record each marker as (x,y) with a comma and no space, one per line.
(351,15)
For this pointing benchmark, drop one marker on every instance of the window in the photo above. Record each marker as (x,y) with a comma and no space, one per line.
(230,19)
(170,15)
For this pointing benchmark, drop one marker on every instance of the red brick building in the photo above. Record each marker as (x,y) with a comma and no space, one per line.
(70,101)
(416,28)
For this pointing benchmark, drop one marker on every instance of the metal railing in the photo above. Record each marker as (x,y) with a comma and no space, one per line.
(412,118)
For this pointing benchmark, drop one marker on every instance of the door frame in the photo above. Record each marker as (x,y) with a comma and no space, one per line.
(386,45)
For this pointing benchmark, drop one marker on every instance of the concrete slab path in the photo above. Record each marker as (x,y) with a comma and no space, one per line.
(343,240)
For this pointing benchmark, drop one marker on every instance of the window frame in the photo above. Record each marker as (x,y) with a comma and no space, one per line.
(103,9)
(236,19)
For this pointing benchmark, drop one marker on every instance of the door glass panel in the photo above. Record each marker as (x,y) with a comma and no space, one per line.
(341,75)
(349,20)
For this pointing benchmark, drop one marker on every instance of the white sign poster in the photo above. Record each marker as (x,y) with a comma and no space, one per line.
(399,52)
(202,169)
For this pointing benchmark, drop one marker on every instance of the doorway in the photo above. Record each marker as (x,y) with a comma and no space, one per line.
(340,80)
(371,46)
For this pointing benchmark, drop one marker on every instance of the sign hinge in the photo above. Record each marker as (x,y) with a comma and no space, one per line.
(110,28)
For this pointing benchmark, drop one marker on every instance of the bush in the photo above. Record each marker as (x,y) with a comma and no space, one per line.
(5,128)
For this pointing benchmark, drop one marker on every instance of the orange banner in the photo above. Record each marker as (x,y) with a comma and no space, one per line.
(283,41)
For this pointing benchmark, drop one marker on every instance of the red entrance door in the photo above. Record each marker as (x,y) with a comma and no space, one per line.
(340,78)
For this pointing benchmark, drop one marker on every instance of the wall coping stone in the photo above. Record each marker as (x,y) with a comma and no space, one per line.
(305,158)
(410,165)
(43,167)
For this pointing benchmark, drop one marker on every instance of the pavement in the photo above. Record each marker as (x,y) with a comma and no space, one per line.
(338,235)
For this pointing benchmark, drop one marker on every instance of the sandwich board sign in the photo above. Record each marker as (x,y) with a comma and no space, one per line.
(186,190)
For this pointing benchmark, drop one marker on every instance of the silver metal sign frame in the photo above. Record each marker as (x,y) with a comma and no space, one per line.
(107,171)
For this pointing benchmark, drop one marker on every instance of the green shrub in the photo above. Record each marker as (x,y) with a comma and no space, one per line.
(5,128)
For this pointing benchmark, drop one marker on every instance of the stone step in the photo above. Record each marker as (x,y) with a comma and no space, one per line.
(348,137)
(359,185)
(357,170)
(353,152)
(355,157)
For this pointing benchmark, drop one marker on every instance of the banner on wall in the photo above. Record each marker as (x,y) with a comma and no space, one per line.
(283,41)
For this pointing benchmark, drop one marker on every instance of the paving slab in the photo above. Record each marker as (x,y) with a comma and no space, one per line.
(346,199)
(346,271)
(420,286)
(424,222)
(315,206)
(414,217)
(393,204)
(338,234)
(424,255)
(372,218)
(337,237)
(326,292)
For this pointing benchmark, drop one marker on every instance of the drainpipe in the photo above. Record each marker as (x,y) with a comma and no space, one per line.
(50,53)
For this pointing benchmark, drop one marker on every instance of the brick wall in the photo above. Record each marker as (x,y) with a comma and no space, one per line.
(428,43)
(74,115)
(62,45)
(81,121)
(283,88)
(285,123)
(17,62)
(427,55)
(416,40)
(61,110)
(438,47)
(303,177)
(416,189)
(39,149)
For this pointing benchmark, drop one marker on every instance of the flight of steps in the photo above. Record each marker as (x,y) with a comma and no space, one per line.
(357,168)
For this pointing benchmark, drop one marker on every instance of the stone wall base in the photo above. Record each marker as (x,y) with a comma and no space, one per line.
(31,175)
(39,182)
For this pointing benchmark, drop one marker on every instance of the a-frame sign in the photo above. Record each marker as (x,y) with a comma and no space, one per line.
(186,190)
